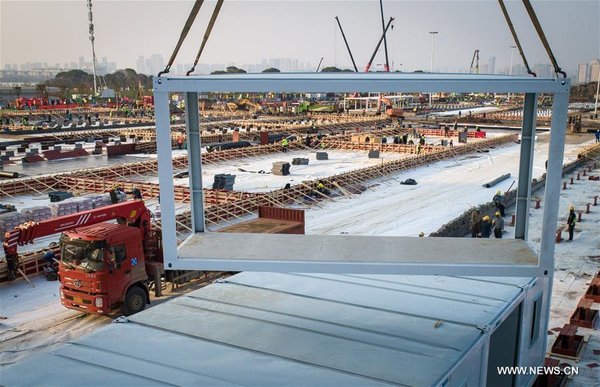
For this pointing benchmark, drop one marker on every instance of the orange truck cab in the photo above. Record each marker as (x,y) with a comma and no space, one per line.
(103,266)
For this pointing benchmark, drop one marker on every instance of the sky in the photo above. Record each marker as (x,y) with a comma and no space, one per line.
(248,31)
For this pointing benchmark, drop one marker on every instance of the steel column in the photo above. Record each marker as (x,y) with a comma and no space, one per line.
(525,166)
(165,174)
(194,160)
(551,199)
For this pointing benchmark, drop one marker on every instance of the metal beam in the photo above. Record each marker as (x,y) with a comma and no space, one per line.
(361,82)
(194,160)
(558,131)
(525,166)
(165,174)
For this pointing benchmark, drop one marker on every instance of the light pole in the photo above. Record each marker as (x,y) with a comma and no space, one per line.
(433,34)
(597,92)
(512,53)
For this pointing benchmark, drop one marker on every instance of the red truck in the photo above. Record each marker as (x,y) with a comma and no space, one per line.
(106,265)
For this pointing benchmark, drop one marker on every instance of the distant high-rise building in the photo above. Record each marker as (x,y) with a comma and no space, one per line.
(583,73)
(492,65)
(158,64)
(140,65)
(543,70)
(594,70)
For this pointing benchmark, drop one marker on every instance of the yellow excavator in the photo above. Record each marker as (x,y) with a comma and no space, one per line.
(251,106)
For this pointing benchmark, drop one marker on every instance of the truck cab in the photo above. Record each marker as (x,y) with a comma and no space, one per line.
(103,266)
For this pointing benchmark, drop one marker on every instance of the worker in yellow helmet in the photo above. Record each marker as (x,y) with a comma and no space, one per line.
(498,225)
(571,221)
(486,227)
(498,200)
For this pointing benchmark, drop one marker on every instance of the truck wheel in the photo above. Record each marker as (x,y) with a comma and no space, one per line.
(135,301)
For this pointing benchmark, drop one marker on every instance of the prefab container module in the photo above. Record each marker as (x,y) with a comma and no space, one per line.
(275,329)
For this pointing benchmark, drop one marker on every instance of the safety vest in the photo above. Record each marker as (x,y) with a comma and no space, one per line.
(284,142)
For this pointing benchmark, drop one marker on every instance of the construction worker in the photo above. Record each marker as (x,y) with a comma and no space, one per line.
(571,221)
(419,149)
(475,219)
(321,188)
(486,227)
(285,145)
(498,200)
(498,225)
(117,194)
(180,140)
(597,134)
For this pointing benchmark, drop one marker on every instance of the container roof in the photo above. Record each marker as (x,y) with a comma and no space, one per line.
(261,329)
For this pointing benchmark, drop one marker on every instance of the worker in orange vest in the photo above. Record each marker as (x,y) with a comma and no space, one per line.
(180,140)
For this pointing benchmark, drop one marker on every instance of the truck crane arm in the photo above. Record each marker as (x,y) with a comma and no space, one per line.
(132,212)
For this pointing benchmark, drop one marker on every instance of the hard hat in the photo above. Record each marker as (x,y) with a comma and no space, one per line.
(421,234)
(571,208)
(499,192)
(486,218)
(497,213)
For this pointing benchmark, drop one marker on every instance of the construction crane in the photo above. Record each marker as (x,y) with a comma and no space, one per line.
(368,66)
(474,68)
(347,46)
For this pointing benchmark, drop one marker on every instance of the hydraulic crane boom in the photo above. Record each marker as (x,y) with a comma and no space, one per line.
(132,212)
(347,46)
(368,67)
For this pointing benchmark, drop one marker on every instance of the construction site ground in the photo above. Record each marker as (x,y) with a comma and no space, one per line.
(35,320)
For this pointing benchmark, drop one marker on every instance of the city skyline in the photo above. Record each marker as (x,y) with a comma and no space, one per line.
(311,34)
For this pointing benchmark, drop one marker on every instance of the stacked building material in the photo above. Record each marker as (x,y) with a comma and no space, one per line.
(322,156)
(59,196)
(281,168)
(100,200)
(10,220)
(224,181)
(84,203)
(373,154)
(299,161)
(66,207)
(38,213)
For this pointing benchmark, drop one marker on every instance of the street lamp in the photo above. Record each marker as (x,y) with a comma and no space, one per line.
(433,34)
(512,53)
(597,92)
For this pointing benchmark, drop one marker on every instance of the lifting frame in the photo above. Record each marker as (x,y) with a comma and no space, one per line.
(359,254)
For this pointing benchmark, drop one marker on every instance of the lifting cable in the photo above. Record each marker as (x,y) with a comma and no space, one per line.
(515,37)
(540,32)
(211,23)
(184,32)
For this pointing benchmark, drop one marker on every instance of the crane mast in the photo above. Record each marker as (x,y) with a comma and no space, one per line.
(91,31)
